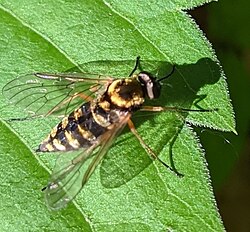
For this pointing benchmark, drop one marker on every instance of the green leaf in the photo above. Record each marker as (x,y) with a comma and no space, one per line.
(128,191)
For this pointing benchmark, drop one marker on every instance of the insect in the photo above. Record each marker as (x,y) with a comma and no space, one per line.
(91,128)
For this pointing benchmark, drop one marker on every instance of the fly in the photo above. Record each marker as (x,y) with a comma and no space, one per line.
(90,129)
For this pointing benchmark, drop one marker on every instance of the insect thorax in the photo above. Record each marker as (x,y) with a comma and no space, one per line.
(126,94)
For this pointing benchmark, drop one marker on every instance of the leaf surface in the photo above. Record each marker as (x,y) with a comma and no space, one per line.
(128,190)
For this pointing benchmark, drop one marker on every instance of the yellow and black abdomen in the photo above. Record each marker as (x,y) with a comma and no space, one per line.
(79,129)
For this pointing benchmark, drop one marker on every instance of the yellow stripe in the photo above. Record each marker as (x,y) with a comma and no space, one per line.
(72,142)
(53,132)
(77,113)
(65,122)
(49,147)
(86,134)
(58,145)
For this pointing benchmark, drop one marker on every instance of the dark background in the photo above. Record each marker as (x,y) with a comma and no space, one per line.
(227,26)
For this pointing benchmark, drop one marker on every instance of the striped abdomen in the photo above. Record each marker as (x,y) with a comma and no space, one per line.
(79,129)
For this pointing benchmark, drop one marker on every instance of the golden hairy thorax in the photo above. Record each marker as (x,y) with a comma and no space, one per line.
(126,93)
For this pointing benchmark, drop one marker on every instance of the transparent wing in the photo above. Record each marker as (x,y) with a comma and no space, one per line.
(70,175)
(43,94)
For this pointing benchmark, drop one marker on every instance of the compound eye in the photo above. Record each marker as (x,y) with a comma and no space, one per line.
(156,89)
(144,78)
(150,85)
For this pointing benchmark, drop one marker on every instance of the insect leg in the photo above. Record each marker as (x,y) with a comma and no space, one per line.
(170,74)
(173,108)
(148,149)
(24,119)
(137,63)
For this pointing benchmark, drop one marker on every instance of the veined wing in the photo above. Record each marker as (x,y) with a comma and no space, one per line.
(43,93)
(70,176)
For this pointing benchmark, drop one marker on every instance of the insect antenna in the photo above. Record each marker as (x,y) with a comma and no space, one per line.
(137,64)
(170,74)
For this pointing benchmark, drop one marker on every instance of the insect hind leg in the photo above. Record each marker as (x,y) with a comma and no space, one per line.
(149,150)
(173,108)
